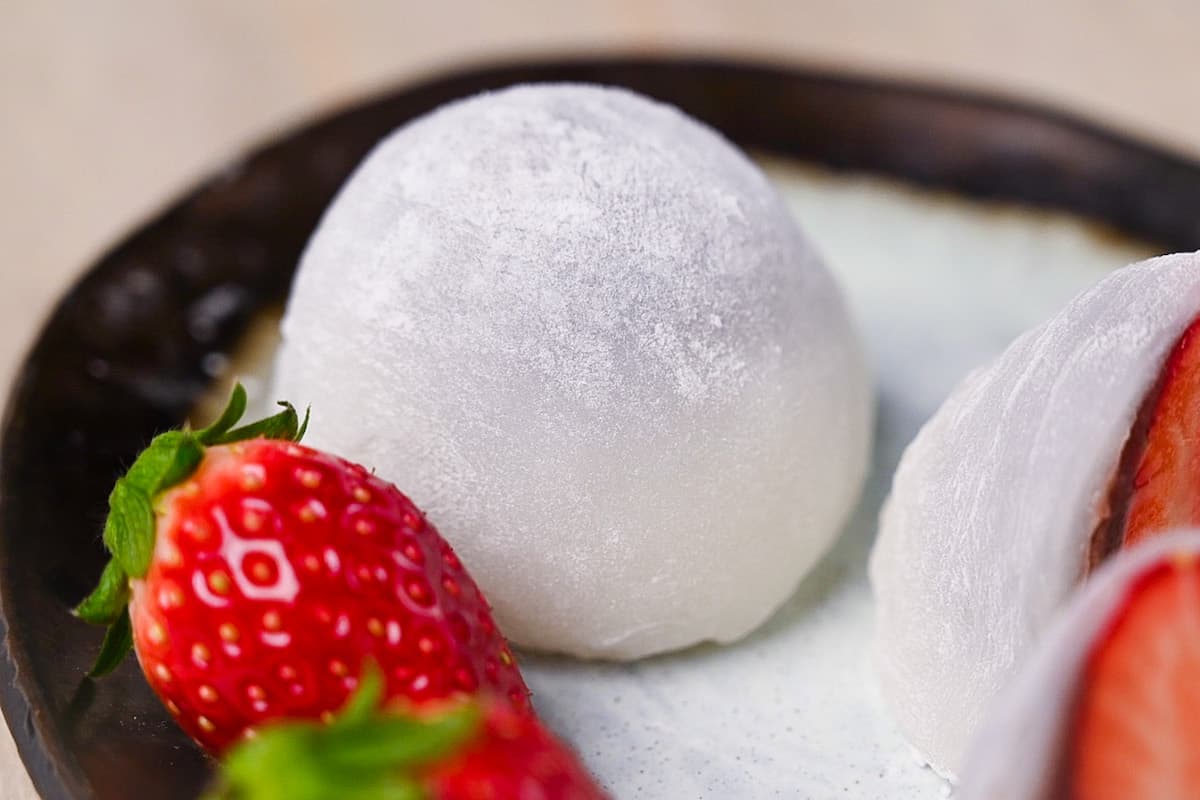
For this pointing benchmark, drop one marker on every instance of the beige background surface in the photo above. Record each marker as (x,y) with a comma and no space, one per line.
(107,109)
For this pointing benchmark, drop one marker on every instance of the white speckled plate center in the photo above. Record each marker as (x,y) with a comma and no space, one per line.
(938,284)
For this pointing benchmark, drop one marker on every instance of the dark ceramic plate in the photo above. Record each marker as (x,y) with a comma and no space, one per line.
(125,352)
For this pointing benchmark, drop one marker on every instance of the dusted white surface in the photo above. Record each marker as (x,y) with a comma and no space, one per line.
(793,711)
(584,334)
(1026,724)
(993,506)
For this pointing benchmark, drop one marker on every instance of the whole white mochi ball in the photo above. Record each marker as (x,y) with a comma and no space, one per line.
(582,331)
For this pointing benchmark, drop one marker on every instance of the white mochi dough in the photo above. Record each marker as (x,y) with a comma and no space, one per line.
(987,528)
(1020,750)
(582,331)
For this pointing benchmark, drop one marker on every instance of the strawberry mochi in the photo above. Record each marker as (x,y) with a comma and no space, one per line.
(1081,438)
(587,336)
(1107,708)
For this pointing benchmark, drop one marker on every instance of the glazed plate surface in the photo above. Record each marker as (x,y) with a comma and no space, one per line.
(952,222)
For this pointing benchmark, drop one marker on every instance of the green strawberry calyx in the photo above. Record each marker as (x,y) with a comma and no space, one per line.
(170,459)
(365,753)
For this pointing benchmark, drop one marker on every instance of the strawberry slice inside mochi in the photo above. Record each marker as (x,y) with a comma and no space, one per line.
(1137,720)
(1157,485)
(1166,485)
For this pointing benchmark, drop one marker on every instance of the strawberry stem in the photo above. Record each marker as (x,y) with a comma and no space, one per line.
(364,754)
(129,530)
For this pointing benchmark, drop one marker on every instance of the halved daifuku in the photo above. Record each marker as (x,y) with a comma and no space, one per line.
(1082,436)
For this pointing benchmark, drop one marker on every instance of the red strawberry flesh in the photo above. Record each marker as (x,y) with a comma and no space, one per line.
(515,756)
(277,570)
(1166,484)
(1157,487)
(1137,720)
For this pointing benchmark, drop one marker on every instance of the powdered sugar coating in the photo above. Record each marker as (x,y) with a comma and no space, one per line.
(992,508)
(582,331)
(1030,720)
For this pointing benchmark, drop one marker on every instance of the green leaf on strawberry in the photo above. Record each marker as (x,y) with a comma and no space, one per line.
(170,459)
(109,600)
(228,418)
(129,534)
(118,639)
(479,747)
(364,754)
(129,529)
(285,426)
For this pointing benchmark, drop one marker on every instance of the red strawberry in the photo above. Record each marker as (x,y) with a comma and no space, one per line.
(514,756)
(260,574)
(1165,491)
(478,750)
(1137,723)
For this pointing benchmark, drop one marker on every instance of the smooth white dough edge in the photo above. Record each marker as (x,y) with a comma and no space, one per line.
(986,531)
(1020,747)
(577,535)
